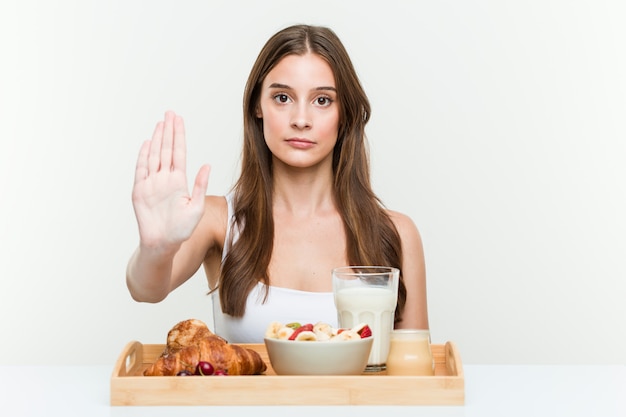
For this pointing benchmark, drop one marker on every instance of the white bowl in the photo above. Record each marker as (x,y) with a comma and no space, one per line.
(290,357)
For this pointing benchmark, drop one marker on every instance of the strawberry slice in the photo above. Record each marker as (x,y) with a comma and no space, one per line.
(305,327)
(365,332)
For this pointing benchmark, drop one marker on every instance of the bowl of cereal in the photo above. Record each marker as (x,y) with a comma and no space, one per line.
(317,349)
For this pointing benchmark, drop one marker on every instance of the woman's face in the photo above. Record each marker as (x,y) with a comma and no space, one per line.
(300,113)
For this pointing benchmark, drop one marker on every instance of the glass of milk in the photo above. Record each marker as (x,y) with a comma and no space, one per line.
(368,294)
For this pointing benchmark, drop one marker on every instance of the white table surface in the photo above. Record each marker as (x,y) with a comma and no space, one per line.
(490,390)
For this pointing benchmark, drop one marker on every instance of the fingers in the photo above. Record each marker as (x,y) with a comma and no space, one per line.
(141,170)
(179,157)
(163,143)
(154,157)
(168,141)
(167,149)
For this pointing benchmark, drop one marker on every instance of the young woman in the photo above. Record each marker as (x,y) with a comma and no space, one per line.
(302,205)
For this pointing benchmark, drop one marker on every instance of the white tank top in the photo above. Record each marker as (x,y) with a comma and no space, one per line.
(283,305)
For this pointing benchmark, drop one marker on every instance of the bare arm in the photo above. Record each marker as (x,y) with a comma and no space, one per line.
(166,214)
(415,315)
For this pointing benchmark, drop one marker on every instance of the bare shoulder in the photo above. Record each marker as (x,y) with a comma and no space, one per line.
(215,205)
(407,229)
(415,314)
(210,233)
(215,218)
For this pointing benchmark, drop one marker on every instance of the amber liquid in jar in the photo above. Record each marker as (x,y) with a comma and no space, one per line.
(410,354)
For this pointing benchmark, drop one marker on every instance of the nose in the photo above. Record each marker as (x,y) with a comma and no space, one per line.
(300,117)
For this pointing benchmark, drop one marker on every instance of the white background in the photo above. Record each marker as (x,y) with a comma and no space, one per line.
(498,126)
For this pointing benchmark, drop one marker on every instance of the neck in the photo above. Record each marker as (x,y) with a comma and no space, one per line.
(303,192)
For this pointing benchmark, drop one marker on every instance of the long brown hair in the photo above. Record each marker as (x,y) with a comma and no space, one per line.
(371,236)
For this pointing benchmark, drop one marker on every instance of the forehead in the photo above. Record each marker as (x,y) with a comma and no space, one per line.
(301,71)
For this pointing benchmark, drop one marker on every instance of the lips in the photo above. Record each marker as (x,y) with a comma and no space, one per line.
(300,143)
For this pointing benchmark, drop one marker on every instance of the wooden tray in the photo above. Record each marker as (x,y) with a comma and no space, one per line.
(130,387)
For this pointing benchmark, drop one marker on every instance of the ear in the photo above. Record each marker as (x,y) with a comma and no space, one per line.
(259,113)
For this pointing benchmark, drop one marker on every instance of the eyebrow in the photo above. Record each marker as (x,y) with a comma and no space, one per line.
(286,87)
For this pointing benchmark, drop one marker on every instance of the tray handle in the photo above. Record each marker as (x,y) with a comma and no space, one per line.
(130,360)
(453,360)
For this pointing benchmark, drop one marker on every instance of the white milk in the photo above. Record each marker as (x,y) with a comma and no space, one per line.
(371,305)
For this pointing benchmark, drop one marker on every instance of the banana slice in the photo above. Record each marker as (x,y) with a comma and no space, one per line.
(306,336)
(323,331)
(346,335)
(272,330)
(322,337)
(284,332)
(323,327)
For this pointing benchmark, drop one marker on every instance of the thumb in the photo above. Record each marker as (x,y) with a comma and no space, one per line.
(200,185)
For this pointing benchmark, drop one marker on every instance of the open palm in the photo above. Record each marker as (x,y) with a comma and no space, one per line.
(166,213)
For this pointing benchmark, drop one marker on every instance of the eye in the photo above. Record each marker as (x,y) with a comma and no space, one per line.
(281,98)
(323,101)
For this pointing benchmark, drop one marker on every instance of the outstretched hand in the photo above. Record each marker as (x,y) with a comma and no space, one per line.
(166,213)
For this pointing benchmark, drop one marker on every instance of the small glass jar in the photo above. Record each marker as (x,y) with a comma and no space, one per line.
(410,354)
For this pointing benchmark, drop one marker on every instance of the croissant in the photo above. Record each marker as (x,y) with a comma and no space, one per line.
(191,341)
